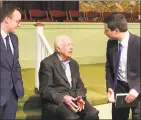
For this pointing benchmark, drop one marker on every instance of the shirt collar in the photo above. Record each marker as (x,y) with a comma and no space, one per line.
(66,62)
(3,34)
(124,42)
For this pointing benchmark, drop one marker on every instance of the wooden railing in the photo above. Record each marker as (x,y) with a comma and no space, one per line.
(43,49)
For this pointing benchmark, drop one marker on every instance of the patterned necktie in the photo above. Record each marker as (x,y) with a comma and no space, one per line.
(63,65)
(68,72)
(117,66)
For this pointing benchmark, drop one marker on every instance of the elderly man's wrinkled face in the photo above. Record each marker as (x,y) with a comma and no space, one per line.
(65,49)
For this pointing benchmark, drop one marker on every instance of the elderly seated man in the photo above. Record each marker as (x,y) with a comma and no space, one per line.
(61,88)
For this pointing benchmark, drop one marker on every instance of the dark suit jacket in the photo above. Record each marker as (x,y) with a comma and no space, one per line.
(53,81)
(133,62)
(8,72)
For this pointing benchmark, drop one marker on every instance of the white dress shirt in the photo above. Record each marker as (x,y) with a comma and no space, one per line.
(66,67)
(3,34)
(122,73)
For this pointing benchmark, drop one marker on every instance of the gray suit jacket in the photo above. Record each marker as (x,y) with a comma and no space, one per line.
(133,62)
(9,73)
(53,81)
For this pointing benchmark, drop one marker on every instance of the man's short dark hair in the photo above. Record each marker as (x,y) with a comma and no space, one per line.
(116,21)
(7,10)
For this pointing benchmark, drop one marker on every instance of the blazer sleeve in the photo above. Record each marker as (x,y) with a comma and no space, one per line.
(18,67)
(80,89)
(137,63)
(108,66)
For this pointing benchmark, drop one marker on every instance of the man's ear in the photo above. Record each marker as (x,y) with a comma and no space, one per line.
(58,49)
(117,31)
(6,19)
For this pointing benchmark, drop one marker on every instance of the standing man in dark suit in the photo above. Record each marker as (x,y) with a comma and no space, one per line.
(11,85)
(61,87)
(122,66)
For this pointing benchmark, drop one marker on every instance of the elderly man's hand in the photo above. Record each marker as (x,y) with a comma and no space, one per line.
(80,102)
(69,101)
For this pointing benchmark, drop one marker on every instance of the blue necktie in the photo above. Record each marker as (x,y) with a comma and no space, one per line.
(117,66)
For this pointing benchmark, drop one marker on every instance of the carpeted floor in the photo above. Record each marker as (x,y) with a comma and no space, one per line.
(93,77)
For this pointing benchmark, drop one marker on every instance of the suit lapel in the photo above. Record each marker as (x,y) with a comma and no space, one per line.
(115,49)
(59,68)
(129,51)
(3,48)
(14,47)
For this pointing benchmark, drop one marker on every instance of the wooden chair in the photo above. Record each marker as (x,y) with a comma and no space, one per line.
(37,14)
(93,16)
(58,15)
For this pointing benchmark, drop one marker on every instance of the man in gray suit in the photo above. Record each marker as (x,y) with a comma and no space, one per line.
(61,88)
(123,73)
(11,85)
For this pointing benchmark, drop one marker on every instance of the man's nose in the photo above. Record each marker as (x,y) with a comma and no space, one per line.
(104,32)
(19,24)
(71,47)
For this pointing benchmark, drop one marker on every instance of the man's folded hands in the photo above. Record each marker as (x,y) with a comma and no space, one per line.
(80,102)
(75,104)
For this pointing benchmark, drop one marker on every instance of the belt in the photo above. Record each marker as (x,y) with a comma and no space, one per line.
(123,83)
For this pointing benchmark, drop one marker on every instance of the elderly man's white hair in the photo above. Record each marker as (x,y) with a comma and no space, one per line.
(60,40)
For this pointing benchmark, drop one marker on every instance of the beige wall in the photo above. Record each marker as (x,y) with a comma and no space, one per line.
(89,42)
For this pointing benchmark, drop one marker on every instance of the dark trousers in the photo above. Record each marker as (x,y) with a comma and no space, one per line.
(62,112)
(8,110)
(123,113)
